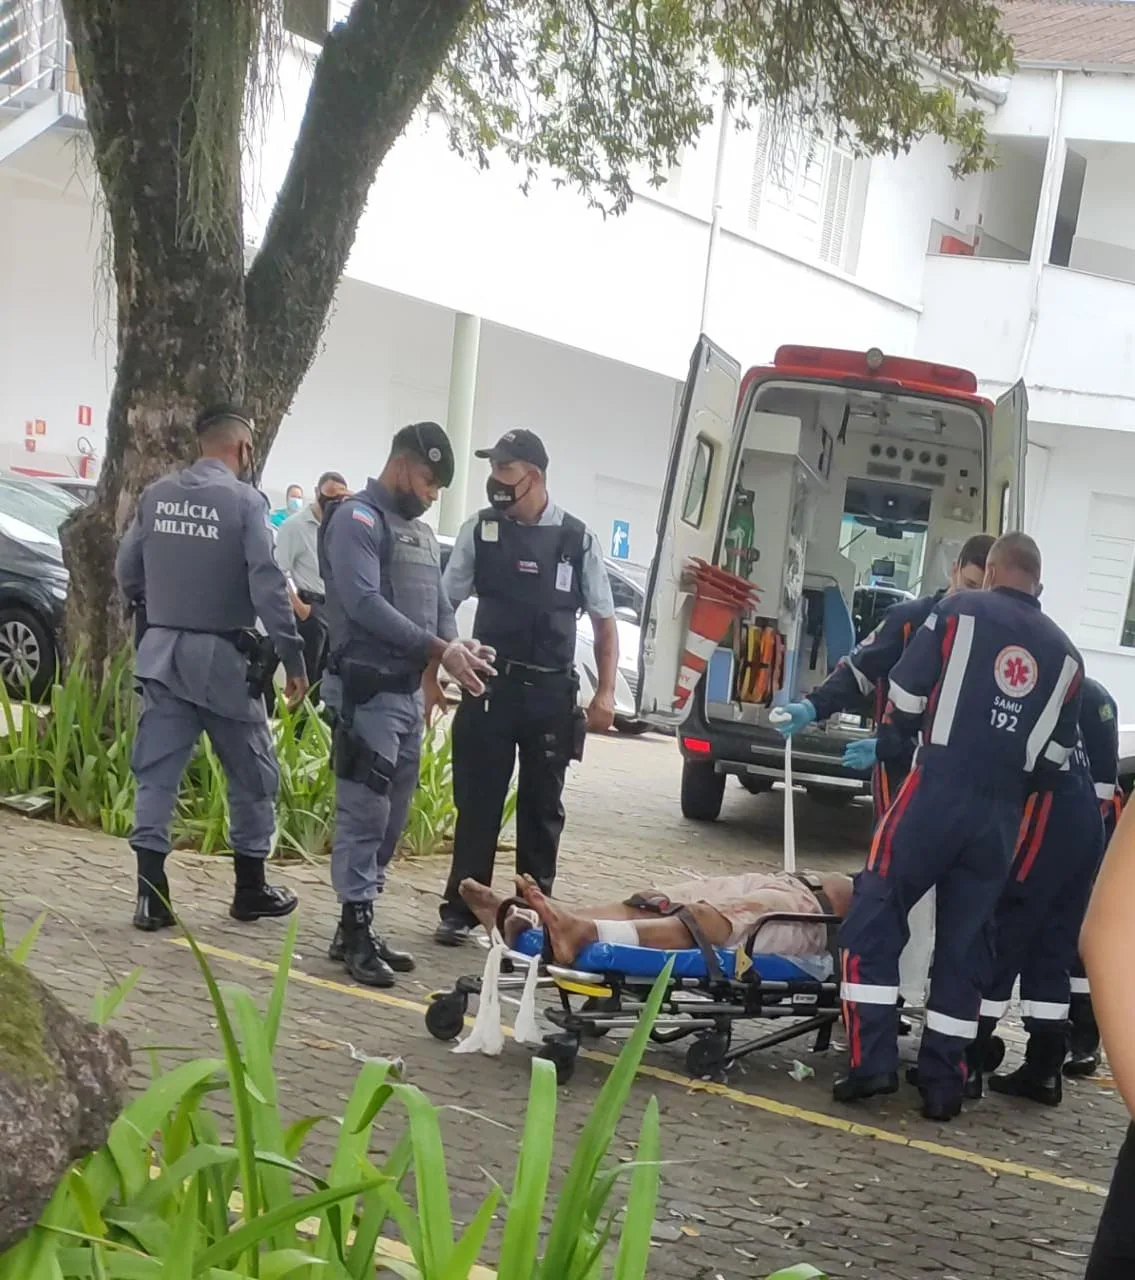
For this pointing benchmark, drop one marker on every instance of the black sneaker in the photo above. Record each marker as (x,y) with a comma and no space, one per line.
(453,933)
(1082,1064)
(1028,1083)
(940,1108)
(151,913)
(268,902)
(399,961)
(852,1088)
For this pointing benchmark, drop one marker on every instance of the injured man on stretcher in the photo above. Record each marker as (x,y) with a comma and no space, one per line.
(725,910)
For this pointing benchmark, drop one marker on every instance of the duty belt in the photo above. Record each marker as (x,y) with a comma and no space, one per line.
(311,597)
(541,677)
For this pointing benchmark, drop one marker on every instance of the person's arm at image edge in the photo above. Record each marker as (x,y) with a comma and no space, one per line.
(1107,948)
(600,606)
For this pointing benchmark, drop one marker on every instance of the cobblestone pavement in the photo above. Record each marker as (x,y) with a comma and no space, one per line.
(767,1170)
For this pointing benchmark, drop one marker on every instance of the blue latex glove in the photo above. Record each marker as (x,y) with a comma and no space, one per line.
(860,755)
(801,715)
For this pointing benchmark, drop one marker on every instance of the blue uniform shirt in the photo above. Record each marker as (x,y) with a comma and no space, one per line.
(991,685)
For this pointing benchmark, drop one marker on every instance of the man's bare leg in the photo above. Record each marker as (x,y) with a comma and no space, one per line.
(485,904)
(608,911)
(569,932)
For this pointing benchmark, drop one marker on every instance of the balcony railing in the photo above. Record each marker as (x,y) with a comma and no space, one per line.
(35,55)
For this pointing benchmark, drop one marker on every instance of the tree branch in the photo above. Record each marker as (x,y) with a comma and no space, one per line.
(374,70)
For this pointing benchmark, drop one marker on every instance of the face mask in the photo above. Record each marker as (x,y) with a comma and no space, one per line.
(410,506)
(502,495)
(294,504)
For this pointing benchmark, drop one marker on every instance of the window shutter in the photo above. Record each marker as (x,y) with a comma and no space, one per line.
(837,199)
(1109,559)
(760,171)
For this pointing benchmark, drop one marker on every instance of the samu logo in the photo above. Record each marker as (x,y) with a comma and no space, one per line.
(1015,671)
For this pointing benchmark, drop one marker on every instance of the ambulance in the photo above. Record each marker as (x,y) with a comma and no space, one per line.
(814,477)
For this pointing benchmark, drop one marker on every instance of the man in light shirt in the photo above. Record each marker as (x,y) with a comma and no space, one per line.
(297,554)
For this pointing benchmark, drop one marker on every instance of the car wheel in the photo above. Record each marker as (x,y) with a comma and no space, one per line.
(27,654)
(632,728)
(755,786)
(830,797)
(703,790)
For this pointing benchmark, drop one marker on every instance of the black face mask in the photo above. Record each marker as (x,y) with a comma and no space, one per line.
(410,506)
(502,496)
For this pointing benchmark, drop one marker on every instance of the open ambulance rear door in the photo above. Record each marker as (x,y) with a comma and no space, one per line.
(691,518)
(1005,475)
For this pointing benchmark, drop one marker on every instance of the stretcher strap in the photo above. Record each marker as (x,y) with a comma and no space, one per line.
(814,885)
(660,905)
(487,1035)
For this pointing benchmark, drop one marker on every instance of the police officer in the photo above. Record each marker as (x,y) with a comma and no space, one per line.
(533,568)
(390,626)
(1037,923)
(867,669)
(198,557)
(993,686)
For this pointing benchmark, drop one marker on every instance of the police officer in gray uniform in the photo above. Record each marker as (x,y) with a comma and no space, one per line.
(198,558)
(391,625)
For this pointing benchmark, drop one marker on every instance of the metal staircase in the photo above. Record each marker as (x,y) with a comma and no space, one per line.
(39,87)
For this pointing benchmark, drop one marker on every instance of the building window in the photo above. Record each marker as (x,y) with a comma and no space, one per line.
(1107,611)
(801,193)
(308,19)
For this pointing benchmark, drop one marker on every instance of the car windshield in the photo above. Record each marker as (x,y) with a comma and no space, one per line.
(25,503)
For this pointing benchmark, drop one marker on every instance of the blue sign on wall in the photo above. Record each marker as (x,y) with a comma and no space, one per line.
(620,539)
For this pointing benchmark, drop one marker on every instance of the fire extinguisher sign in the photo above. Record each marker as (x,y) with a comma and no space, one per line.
(84,415)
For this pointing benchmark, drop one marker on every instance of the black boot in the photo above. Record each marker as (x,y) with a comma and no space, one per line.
(254,899)
(852,1088)
(360,954)
(1084,1041)
(151,911)
(984,1054)
(1038,1077)
(399,961)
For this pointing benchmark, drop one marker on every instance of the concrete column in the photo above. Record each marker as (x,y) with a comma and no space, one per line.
(459,418)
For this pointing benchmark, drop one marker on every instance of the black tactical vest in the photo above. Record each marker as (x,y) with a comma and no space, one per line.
(529,584)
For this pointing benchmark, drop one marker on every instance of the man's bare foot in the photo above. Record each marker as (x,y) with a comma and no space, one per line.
(485,904)
(567,934)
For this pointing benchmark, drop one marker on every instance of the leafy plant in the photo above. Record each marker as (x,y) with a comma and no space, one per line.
(76,752)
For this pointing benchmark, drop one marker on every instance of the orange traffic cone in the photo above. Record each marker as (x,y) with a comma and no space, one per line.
(719,598)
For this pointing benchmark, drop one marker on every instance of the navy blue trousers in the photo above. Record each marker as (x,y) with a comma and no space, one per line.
(947,832)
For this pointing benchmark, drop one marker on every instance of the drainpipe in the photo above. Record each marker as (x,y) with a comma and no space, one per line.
(1045,218)
(715,220)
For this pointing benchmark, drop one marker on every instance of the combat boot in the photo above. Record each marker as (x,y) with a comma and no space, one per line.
(1038,1077)
(853,1088)
(1084,1042)
(399,961)
(151,911)
(360,954)
(254,899)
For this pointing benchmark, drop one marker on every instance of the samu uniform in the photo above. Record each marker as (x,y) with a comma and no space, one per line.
(382,574)
(865,672)
(199,554)
(993,686)
(1099,727)
(531,582)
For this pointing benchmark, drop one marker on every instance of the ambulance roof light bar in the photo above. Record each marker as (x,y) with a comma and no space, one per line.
(837,363)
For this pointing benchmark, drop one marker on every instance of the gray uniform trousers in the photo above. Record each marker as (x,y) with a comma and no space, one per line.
(368,826)
(168,731)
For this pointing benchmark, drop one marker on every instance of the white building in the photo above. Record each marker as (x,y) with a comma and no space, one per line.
(581,327)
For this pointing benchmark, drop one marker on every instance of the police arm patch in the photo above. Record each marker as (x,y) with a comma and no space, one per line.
(363,517)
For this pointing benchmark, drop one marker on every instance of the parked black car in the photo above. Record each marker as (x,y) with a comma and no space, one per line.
(33,585)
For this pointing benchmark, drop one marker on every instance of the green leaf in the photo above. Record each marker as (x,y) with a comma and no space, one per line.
(106,1004)
(521,1240)
(468,1248)
(168,1183)
(430,1180)
(280,985)
(295,1134)
(376,1208)
(178,1261)
(634,1242)
(23,948)
(286,1262)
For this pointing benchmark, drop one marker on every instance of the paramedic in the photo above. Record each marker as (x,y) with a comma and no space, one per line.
(994,688)
(197,566)
(1038,918)
(390,625)
(1084,1040)
(868,666)
(719,911)
(533,569)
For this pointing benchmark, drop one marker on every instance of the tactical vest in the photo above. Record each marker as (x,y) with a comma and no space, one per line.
(529,584)
(193,554)
(409,579)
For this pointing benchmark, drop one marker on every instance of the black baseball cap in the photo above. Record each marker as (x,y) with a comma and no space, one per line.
(518,446)
(431,444)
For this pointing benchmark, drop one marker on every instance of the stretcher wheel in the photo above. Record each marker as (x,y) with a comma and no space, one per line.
(706,1055)
(445,1015)
(561,1052)
(994,1054)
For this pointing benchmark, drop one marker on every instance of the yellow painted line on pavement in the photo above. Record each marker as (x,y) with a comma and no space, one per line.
(991,1164)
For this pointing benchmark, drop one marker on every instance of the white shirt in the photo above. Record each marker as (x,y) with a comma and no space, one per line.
(296,550)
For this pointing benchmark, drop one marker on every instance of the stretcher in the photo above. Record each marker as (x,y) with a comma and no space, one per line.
(606,988)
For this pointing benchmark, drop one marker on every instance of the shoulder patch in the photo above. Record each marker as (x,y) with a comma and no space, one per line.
(363,517)
(1106,711)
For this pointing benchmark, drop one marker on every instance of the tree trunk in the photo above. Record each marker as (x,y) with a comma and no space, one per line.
(192,330)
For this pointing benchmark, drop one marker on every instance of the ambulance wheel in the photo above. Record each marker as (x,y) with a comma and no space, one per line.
(703,790)
(561,1053)
(994,1054)
(445,1015)
(706,1055)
